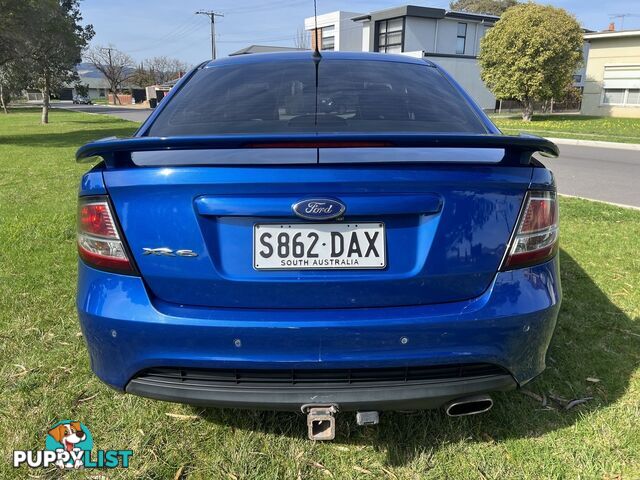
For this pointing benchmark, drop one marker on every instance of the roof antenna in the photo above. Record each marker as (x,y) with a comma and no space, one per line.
(316,51)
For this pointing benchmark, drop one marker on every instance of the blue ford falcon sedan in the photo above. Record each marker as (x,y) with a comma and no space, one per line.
(319,233)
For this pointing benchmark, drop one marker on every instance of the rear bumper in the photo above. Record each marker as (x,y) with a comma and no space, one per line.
(406,397)
(510,325)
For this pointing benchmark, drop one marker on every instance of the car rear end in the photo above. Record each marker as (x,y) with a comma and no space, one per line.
(289,231)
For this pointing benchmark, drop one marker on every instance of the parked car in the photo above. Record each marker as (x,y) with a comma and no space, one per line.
(82,100)
(399,252)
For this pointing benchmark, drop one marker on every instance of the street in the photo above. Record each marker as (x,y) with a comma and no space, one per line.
(599,173)
(607,174)
(126,113)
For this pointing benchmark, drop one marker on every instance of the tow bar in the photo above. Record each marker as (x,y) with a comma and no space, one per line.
(321,421)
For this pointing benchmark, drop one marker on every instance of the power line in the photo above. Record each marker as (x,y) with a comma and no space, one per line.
(212,16)
(182,30)
(290,37)
(266,7)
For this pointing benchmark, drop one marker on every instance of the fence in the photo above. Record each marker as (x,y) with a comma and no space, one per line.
(124,99)
(550,106)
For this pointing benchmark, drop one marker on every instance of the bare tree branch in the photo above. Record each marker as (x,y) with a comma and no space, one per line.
(116,66)
(301,39)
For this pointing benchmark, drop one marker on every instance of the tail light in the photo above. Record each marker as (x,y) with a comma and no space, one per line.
(536,236)
(99,242)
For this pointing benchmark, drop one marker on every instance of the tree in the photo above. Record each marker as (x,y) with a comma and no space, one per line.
(487,7)
(14,76)
(82,89)
(116,66)
(15,28)
(56,47)
(301,40)
(158,70)
(165,69)
(143,77)
(531,54)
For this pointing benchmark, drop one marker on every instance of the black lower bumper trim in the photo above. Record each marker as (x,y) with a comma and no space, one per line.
(409,396)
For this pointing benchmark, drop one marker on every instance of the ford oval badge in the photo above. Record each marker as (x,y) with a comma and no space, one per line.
(319,209)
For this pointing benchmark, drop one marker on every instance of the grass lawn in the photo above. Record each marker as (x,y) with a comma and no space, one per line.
(45,375)
(625,130)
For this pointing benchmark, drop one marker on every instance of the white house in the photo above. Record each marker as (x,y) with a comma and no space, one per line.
(335,31)
(612,78)
(450,39)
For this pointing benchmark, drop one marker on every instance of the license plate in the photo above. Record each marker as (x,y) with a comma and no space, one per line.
(308,246)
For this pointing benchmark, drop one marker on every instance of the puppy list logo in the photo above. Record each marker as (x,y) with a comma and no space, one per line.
(69,444)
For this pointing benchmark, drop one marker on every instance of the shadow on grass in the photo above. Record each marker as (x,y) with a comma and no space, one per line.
(564,117)
(578,350)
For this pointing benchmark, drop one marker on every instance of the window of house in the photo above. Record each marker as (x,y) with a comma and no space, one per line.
(461,40)
(328,38)
(633,96)
(325,38)
(390,38)
(621,96)
(613,96)
(621,85)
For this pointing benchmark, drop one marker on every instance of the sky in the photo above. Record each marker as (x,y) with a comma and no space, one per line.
(148,28)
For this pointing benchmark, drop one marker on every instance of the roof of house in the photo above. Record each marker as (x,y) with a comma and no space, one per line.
(264,49)
(91,82)
(329,18)
(612,34)
(171,83)
(423,12)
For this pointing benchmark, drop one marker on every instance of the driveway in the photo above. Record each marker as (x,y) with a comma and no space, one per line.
(599,173)
(133,114)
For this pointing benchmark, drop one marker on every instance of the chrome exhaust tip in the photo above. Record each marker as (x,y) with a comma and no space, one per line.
(469,405)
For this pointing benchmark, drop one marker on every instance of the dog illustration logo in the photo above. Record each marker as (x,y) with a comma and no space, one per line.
(69,444)
(72,437)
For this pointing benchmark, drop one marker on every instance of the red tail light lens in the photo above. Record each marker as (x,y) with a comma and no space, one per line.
(99,243)
(536,238)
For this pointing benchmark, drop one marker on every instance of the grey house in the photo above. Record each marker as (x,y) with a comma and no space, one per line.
(451,39)
(434,31)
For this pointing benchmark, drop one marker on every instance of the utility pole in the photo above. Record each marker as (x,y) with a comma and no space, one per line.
(114,90)
(212,16)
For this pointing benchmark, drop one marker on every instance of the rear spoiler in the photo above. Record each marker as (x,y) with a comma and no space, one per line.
(517,149)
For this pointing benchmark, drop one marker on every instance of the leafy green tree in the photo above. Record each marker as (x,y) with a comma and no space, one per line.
(82,89)
(57,47)
(15,28)
(41,41)
(531,54)
(14,76)
(487,7)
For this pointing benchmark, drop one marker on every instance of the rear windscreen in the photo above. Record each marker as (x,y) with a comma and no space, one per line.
(351,96)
